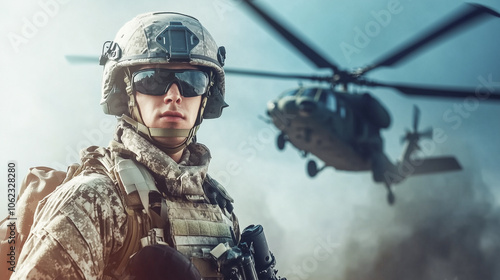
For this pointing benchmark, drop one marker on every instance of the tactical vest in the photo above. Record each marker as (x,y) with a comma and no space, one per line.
(192,224)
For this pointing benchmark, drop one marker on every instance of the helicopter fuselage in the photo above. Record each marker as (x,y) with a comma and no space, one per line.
(324,128)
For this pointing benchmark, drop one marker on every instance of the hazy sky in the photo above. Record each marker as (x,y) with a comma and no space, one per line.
(51,110)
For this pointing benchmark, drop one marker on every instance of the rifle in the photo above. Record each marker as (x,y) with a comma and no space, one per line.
(251,259)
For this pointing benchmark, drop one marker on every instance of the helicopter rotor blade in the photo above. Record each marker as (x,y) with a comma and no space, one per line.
(85,59)
(460,20)
(416,118)
(440,92)
(276,75)
(427,133)
(319,60)
(405,137)
(82,59)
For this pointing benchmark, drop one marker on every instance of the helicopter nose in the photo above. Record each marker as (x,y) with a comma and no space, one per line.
(271,106)
(307,107)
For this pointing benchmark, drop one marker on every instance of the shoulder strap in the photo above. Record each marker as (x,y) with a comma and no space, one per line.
(138,182)
(127,177)
(135,178)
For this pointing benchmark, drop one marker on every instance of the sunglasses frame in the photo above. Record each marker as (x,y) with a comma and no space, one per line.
(174,80)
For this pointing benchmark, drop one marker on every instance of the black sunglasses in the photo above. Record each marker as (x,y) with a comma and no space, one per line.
(156,81)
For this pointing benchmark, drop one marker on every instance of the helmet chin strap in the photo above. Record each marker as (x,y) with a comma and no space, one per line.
(150,132)
(137,122)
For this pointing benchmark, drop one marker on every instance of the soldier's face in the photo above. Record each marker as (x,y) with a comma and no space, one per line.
(170,110)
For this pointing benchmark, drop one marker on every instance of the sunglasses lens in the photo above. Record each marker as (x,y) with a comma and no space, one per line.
(191,83)
(149,82)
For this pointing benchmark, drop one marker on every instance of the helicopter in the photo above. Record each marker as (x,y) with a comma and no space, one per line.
(342,128)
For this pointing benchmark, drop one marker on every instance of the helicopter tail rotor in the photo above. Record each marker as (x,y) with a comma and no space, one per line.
(415,135)
(427,133)
(426,165)
(416,117)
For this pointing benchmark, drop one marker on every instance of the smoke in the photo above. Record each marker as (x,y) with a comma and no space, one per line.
(443,227)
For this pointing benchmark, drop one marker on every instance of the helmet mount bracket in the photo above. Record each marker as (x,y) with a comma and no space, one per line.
(110,50)
(221,55)
(178,41)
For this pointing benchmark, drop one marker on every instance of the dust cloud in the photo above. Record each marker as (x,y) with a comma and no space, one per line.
(443,227)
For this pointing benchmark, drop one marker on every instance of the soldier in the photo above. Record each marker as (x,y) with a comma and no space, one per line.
(144,206)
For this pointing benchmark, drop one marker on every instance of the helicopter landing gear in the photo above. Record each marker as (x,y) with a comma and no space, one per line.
(281,141)
(312,168)
(390,195)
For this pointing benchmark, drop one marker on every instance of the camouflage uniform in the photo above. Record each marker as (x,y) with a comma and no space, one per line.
(81,226)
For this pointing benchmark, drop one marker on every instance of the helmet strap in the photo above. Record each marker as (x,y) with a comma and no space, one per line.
(150,132)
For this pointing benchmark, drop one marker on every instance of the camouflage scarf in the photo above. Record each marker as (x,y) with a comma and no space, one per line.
(183,178)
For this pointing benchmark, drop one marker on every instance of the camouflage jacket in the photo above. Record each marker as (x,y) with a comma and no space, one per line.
(80,226)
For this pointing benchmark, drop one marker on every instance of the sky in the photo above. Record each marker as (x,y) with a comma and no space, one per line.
(337,225)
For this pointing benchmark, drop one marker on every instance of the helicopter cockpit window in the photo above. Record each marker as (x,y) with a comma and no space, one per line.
(309,92)
(291,92)
(329,99)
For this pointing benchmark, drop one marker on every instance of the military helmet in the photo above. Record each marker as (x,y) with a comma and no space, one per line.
(160,38)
